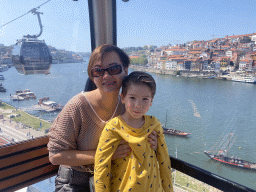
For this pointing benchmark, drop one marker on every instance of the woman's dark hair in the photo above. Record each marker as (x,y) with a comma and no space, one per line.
(100,52)
(139,78)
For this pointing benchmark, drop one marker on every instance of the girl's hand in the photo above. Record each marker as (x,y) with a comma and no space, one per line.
(153,140)
(122,150)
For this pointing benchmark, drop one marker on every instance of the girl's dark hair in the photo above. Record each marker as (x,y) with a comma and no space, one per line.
(139,78)
(100,52)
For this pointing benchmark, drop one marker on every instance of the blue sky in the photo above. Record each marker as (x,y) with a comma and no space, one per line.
(139,22)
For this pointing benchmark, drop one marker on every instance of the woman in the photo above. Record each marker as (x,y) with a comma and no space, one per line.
(75,133)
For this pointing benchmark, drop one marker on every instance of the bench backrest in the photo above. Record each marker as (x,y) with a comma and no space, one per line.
(25,163)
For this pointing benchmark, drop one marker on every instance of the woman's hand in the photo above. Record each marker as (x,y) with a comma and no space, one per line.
(153,140)
(122,150)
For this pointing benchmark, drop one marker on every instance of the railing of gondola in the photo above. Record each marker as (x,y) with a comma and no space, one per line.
(177,164)
(207,177)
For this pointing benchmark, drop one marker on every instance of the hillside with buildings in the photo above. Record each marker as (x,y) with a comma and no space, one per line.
(231,53)
(228,54)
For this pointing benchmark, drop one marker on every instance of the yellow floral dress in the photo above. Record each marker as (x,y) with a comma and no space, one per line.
(143,169)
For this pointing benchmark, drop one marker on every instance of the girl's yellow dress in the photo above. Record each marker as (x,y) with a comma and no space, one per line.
(143,169)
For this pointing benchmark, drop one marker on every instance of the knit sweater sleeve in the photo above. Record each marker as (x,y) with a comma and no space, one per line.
(164,160)
(108,143)
(65,129)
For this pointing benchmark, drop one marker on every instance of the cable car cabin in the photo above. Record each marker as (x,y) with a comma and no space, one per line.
(31,56)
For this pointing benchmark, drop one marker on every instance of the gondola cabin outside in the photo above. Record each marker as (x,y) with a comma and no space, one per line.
(31,56)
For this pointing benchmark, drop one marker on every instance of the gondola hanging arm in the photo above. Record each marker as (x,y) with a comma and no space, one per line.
(33,11)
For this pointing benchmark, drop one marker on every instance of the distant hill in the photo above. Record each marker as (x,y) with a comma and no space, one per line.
(84,54)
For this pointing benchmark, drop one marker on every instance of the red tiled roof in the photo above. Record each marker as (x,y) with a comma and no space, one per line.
(224,58)
(195,52)
(174,56)
(177,58)
(134,57)
(245,60)
(225,46)
(175,49)
(3,141)
(197,49)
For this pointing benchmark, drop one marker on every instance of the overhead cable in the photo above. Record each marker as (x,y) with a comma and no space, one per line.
(26,13)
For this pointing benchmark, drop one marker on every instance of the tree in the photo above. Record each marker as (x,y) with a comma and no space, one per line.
(141,60)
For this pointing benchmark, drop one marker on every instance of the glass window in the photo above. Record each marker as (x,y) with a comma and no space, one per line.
(200,88)
(201,54)
(52,66)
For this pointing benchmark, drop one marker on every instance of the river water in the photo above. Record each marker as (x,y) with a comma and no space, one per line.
(209,109)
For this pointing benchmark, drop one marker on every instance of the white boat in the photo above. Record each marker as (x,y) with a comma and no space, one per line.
(3,68)
(17,98)
(52,104)
(26,94)
(244,79)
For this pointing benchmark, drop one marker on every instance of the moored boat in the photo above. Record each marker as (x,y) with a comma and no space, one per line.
(16,98)
(173,131)
(51,104)
(221,157)
(26,94)
(2,89)
(244,79)
(3,68)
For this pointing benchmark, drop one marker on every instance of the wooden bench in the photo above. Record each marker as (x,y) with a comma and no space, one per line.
(25,163)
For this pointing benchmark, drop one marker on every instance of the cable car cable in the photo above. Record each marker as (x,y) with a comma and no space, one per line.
(26,13)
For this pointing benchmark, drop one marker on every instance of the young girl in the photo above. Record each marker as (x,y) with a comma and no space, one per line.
(144,169)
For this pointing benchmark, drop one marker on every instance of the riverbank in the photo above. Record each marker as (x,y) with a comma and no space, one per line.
(17,125)
(189,74)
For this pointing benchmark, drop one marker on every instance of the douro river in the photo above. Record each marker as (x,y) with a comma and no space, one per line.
(209,109)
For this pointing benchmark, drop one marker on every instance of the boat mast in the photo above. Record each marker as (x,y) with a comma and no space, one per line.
(166,119)
(228,143)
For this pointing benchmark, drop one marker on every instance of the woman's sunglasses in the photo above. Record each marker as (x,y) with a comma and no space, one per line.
(113,70)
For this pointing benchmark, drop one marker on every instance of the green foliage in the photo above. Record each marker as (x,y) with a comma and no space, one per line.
(31,121)
(5,106)
(141,60)
(130,50)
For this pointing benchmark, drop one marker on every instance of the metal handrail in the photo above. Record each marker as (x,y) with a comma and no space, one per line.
(182,166)
(207,177)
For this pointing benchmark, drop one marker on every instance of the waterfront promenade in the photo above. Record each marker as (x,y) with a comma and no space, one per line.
(189,74)
(12,131)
